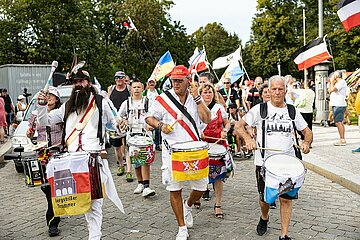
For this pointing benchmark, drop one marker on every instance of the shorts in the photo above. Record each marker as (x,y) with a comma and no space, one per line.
(261,186)
(198,185)
(338,113)
(116,142)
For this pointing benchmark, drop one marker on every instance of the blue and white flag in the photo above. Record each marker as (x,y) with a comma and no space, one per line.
(233,72)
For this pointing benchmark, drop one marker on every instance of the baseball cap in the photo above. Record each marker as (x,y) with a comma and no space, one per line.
(151,79)
(21,97)
(54,91)
(120,74)
(251,82)
(179,72)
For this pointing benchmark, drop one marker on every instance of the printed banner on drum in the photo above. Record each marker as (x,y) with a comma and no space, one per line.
(275,186)
(190,165)
(69,180)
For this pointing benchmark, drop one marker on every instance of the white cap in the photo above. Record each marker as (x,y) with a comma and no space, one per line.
(21,97)
(54,91)
(151,79)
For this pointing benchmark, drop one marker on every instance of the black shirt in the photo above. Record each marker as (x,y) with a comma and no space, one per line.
(8,102)
(253,97)
(233,95)
(118,97)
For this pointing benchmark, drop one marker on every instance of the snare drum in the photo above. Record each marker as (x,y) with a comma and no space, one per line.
(141,150)
(189,160)
(33,170)
(217,166)
(283,174)
(113,134)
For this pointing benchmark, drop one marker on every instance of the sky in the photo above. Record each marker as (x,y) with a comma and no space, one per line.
(235,15)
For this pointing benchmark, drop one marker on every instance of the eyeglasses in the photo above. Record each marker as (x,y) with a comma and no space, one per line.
(177,80)
(226,82)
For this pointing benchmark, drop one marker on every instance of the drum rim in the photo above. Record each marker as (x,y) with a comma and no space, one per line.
(263,165)
(140,145)
(218,154)
(206,146)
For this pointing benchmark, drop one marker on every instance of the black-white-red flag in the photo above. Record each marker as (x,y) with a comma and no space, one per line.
(130,25)
(311,54)
(349,13)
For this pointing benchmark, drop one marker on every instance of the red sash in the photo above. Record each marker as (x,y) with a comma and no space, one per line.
(174,115)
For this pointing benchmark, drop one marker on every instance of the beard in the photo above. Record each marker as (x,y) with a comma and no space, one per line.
(79,100)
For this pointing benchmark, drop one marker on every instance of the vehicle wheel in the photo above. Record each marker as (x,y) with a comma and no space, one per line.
(19,169)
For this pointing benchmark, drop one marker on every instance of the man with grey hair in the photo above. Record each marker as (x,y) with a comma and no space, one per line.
(278,135)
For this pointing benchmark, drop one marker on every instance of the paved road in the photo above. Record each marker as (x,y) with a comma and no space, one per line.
(325,210)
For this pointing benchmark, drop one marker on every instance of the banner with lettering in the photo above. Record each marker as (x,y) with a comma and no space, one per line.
(69,180)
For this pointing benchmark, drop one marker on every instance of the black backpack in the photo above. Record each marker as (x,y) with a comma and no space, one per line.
(292,113)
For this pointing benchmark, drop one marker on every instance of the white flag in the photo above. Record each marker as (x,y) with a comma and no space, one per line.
(222,62)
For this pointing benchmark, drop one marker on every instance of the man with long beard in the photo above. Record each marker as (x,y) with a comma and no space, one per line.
(85,135)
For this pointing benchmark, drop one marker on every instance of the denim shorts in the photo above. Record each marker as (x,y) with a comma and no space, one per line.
(338,113)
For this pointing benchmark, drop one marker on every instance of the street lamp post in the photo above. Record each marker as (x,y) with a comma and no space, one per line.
(321,75)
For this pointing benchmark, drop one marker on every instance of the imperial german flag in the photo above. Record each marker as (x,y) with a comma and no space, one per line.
(69,180)
(349,13)
(190,165)
(311,54)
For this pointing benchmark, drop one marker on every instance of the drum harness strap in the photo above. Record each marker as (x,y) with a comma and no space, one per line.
(98,103)
(183,111)
(292,113)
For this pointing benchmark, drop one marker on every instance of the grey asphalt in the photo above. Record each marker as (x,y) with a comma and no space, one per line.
(324,210)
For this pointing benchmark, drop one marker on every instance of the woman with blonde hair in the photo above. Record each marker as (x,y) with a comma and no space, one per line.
(216,131)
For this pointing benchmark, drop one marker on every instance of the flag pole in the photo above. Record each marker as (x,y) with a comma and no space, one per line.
(304,27)
(242,64)
(217,78)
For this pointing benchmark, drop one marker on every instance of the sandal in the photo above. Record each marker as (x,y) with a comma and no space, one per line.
(197,204)
(218,215)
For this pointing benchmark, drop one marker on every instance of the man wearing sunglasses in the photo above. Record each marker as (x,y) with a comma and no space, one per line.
(119,93)
(229,94)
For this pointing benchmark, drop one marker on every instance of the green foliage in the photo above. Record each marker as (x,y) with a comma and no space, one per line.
(277,32)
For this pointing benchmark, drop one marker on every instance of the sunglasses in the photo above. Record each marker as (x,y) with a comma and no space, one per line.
(119,78)
(226,82)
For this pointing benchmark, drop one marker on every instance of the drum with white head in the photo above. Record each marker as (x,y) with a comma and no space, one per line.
(283,174)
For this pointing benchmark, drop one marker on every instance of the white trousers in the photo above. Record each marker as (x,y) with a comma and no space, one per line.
(94,219)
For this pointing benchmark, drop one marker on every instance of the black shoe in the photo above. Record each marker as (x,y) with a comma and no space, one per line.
(262,227)
(53,231)
(206,195)
(158,148)
(273,205)
(284,238)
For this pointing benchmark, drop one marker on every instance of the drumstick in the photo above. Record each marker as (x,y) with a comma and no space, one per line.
(270,149)
(214,138)
(179,117)
(213,144)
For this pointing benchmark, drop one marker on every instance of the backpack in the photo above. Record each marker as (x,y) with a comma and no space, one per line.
(98,102)
(146,106)
(292,113)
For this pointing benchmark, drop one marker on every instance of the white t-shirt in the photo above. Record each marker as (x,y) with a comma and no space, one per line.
(309,96)
(279,130)
(337,99)
(151,95)
(135,114)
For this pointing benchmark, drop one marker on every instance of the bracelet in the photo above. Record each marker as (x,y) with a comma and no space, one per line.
(198,100)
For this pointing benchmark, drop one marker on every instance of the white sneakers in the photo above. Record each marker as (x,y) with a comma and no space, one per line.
(188,218)
(139,189)
(182,234)
(147,192)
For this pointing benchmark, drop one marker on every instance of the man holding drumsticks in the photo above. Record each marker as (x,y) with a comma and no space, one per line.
(162,114)
(279,135)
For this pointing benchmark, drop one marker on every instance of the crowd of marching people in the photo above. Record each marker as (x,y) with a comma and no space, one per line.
(197,125)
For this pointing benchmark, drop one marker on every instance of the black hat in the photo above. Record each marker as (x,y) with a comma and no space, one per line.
(81,74)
